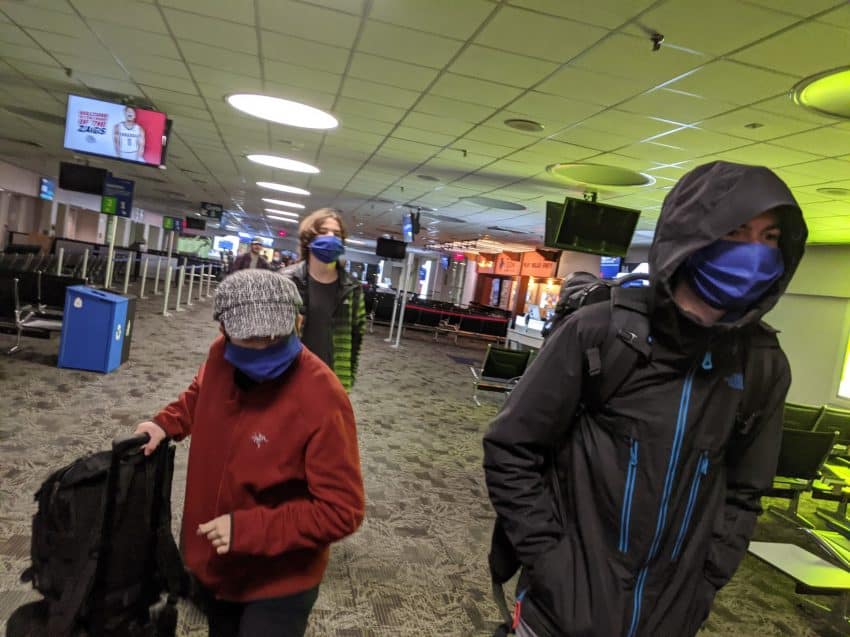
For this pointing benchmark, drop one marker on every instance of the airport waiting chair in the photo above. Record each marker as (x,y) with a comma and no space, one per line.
(798,416)
(801,457)
(500,372)
(837,420)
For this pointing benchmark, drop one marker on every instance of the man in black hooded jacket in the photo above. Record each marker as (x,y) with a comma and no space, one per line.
(658,489)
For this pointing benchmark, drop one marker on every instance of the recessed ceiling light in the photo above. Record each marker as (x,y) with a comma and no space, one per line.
(527,125)
(275,211)
(600,175)
(753,125)
(489,202)
(275,109)
(270,185)
(285,204)
(825,92)
(283,163)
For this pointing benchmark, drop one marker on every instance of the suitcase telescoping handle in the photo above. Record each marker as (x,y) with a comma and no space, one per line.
(124,444)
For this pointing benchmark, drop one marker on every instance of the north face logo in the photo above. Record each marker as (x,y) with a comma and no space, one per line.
(259,439)
(735,381)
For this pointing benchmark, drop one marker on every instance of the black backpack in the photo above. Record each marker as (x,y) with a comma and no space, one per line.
(102,549)
(608,365)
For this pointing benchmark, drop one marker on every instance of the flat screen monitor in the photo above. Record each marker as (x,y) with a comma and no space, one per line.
(196,224)
(81,178)
(407,228)
(107,129)
(390,248)
(174,224)
(46,188)
(589,226)
(554,212)
(226,242)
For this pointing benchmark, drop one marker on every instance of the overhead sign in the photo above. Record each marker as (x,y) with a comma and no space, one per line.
(508,263)
(117,196)
(173,224)
(211,210)
(535,264)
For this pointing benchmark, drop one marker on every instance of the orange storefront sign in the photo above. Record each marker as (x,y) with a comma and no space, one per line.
(534,264)
(508,264)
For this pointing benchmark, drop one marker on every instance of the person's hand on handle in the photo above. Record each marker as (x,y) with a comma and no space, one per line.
(156,433)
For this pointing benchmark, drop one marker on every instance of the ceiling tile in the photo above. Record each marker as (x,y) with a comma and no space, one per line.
(766,155)
(496,133)
(443,125)
(592,86)
(795,7)
(227,36)
(121,40)
(367,124)
(499,66)
(378,93)
(824,169)
(14,35)
(167,82)
(839,17)
(828,141)
(114,84)
(632,57)
(701,142)
(155,64)
(550,151)
(419,135)
(785,106)
(305,20)
(658,152)
(34,72)
(606,13)
(474,90)
(733,24)
(136,14)
(399,74)
(105,67)
(555,113)
(809,48)
(445,17)
(536,35)
(347,106)
(444,107)
(581,135)
(407,45)
(733,82)
(290,74)
(233,10)
(675,106)
(32,17)
(628,124)
(61,45)
(313,97)
(313,55)
(484,147)
(201,56)
(825,209)
(25,54)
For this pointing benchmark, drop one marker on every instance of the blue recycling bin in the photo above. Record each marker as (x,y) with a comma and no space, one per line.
(93,329)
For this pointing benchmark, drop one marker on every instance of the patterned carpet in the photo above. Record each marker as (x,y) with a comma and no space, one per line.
(418,564)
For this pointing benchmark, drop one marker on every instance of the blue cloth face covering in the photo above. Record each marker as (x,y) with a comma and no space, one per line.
(327,248)
(731,275)
(261,365)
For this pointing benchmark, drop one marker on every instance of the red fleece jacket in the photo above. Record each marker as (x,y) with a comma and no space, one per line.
(282,457)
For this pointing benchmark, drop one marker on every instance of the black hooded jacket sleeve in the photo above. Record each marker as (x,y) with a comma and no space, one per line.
(518,447)
(751,460)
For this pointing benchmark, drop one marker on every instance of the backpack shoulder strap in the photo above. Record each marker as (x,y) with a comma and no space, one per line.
(168,561)
(626,342)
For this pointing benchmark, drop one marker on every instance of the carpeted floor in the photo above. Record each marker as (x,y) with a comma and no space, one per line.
(418,564)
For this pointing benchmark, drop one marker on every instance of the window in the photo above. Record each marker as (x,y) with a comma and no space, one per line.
(844,385)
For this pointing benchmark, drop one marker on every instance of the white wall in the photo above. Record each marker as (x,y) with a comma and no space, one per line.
(814,320)
(577,262)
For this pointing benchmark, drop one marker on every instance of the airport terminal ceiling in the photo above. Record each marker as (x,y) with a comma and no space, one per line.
(422,90)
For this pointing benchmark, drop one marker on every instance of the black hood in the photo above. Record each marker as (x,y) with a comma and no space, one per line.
(705,205)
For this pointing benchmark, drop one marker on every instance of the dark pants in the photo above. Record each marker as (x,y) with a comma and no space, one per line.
(275,617)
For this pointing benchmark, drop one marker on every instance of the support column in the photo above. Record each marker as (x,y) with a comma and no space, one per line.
(5,196)
(102,221)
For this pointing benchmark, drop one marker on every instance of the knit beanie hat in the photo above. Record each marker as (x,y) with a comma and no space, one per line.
(253,303)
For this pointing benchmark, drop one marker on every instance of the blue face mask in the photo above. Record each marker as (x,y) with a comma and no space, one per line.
(731,275)
(261,365)
(327,248)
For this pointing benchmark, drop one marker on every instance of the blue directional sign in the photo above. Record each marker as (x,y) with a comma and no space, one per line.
(117,196)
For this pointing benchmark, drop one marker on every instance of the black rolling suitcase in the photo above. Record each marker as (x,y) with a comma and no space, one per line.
(102,549)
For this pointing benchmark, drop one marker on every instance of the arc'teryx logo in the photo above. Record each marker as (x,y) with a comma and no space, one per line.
(258,439)
(735,381)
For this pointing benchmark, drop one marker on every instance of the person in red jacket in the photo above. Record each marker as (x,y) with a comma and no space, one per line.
(274,470)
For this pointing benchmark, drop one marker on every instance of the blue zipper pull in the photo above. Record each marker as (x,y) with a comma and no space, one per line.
(703,469)
(706,361)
